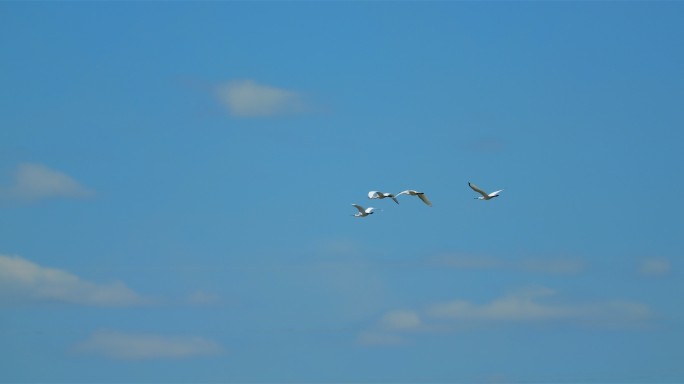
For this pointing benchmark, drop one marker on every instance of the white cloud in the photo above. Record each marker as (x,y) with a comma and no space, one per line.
(245,98)
(520,306)
(119,345)
(655,267)
(36,181)
(527,306)
(24,281)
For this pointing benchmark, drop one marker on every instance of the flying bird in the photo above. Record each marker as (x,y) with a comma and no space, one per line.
(416,193)
(381,195)
(485,195)
(363,212)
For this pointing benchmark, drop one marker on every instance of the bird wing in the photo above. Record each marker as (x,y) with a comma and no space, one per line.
(393,198)
(360,208)
(373,194)
(406,192)
(495,193)
(370,210)
(478,190)
(425,199)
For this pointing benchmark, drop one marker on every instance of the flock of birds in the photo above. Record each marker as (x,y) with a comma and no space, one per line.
(363,212)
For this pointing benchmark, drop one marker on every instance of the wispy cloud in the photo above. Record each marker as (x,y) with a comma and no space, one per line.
(655,267)
(401,320)
(24,281)
(390,329)
(530,305)
(36,181)
(538,265)
(246,98)
(132,346)
(526,306)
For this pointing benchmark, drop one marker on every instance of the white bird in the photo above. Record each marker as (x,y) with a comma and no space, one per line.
(485,195)
(381,195)
(363,212)
(416,193)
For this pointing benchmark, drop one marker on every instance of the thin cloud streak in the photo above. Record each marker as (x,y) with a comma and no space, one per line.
(526,306)
(132,346)
(401,320)
(36,181)
(23,281)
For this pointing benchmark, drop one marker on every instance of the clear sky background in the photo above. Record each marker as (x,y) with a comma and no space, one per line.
(176,181)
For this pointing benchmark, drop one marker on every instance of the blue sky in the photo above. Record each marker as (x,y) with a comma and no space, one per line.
(176,183)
